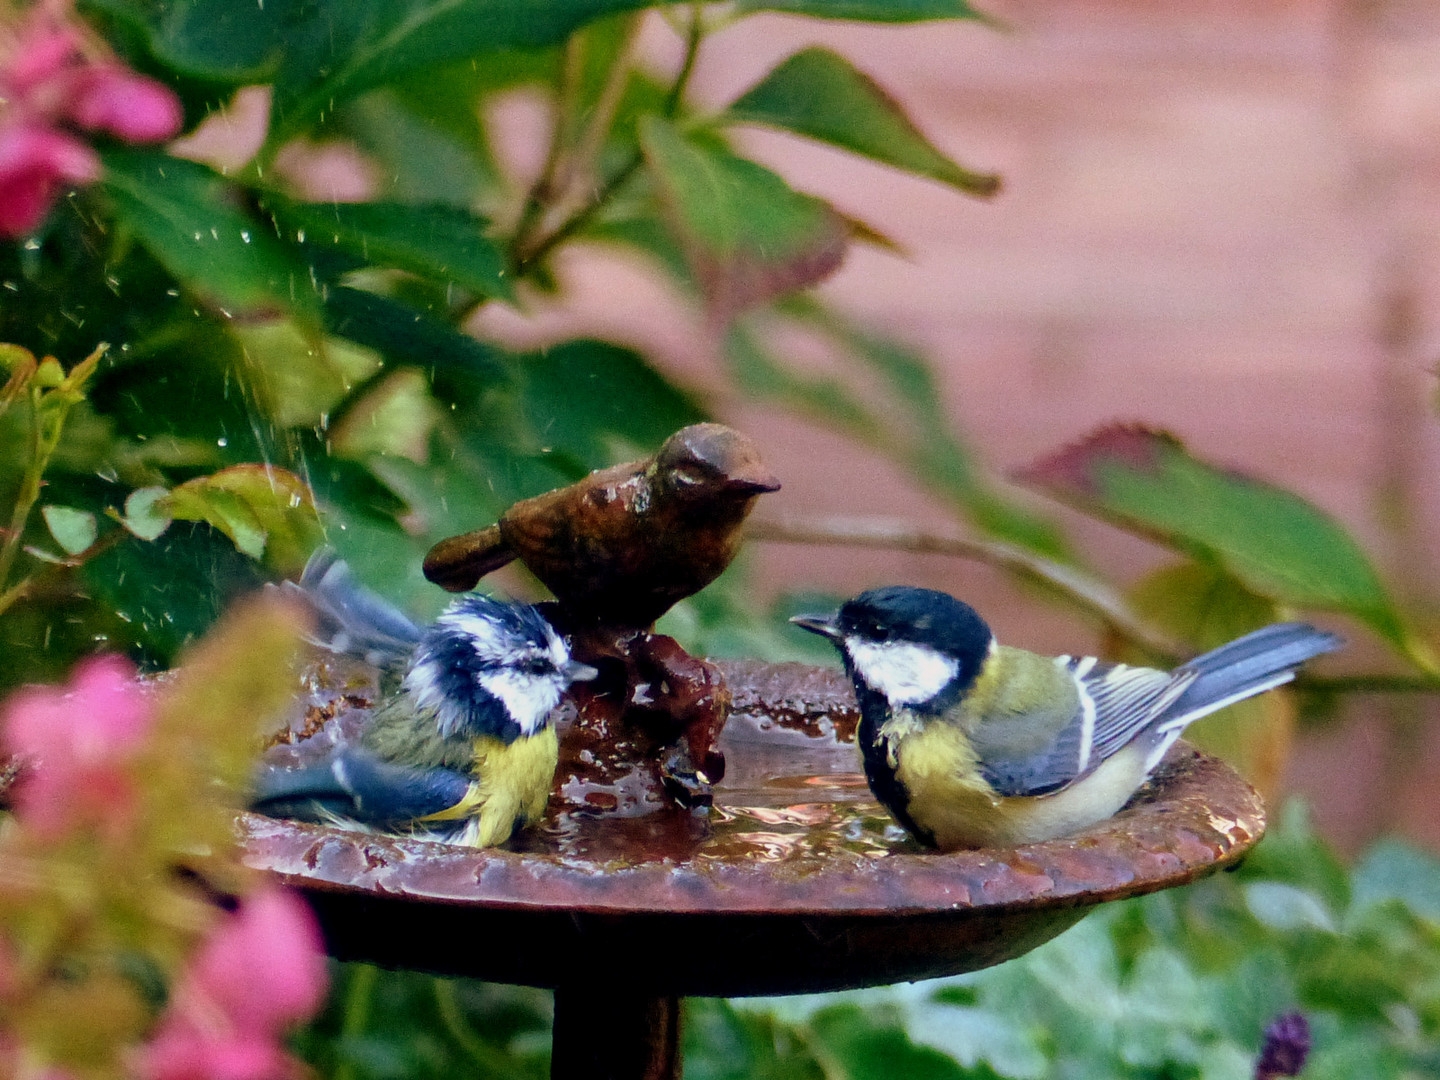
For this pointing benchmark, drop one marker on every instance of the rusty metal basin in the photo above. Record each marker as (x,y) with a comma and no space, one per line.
(796,881)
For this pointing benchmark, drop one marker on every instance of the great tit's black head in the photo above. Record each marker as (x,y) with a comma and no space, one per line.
(706,460)
(487,667)
(917,647)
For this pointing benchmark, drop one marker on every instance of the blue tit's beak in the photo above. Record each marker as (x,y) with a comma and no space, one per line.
(578,672)
(818,624)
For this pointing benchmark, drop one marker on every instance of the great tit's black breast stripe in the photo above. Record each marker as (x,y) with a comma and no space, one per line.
(875,753)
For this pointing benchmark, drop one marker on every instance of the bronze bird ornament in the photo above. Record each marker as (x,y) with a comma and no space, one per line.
(623,545)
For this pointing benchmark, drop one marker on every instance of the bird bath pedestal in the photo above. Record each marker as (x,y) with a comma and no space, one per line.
(794,882)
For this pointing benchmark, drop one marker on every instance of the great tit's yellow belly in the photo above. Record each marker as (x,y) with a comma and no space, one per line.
(512,785)
(951,801)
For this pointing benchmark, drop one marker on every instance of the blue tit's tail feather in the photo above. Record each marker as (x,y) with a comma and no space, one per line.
(356,786)
(350,619)
(1246,666)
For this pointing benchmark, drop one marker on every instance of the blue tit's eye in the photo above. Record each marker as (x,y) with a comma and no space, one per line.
(536,665)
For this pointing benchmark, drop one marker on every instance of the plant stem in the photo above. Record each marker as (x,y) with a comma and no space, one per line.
(1084,591)
(543,190)
(29,491)
(358,995)
(524,260)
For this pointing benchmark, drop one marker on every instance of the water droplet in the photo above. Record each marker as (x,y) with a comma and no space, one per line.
(299,236)
(222,442)
(32,244)
(245,236)
(197,237)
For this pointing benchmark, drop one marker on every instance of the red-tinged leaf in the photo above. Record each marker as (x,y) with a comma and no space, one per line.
(1274,542)
(749,237)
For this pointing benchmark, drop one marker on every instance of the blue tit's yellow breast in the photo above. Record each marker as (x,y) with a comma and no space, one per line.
(511,787)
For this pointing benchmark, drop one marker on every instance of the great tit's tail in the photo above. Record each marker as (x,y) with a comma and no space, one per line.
(356,786)
(1246,666)
(350,619)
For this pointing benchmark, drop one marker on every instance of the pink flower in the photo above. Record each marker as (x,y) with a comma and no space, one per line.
(48,88)
(44,52)
(261,971)
(75,741)
(112,99)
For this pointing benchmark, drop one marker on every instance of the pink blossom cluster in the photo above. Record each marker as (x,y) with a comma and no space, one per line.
(49,90)
(75,743)
(260,970)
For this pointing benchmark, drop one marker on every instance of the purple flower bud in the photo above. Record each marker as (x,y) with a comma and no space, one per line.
(1286,1046)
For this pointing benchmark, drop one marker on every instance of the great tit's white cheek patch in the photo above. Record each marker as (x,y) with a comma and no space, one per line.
(528,697)
(906,673)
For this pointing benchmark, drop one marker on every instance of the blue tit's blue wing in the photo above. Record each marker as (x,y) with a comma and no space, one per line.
(350,619)
(358,786)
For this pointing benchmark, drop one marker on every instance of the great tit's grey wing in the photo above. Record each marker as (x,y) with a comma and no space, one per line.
(1126,700)
(350,619)
(1249,665)
(1112,704)
(357,786)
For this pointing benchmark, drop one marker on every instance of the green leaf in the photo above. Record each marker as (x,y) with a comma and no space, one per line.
(600,403)
(74,530)
(1395,870)
(185,214)
(1277,544)
(758,373)
(872,1045)
(267,512)
(819,93)
(870,10)
(145,515)
(749,236)
(343,47)
(443,243)
(407,335)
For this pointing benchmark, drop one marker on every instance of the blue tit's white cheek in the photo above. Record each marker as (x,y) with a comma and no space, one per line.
(527,696)
(905,672)
(423,683)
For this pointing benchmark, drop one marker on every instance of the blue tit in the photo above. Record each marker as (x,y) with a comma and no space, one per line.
(459,746)
(970,743)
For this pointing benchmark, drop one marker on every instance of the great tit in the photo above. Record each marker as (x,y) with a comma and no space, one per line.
(459,746)
(970,743)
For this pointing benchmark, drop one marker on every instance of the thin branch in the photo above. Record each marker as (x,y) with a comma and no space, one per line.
(543,190)
(1083,590)
(524,260)
(1368,684)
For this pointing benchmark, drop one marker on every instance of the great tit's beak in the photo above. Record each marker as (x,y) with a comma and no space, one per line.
(578,672)
(818,624)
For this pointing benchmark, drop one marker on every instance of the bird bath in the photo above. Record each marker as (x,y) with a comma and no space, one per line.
(796,881)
